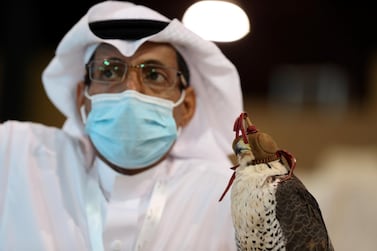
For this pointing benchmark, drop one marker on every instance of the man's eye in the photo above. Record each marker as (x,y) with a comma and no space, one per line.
(109,73)
(105,73)
(155,75)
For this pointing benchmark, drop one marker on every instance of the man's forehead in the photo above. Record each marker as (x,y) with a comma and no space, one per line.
(164,50)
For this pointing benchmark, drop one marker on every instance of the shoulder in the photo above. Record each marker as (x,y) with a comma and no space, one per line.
(14,128)
(30,135)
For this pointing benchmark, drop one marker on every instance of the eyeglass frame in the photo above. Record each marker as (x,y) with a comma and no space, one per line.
(183,84)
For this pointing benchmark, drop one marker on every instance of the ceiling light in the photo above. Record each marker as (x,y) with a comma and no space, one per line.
(220,21)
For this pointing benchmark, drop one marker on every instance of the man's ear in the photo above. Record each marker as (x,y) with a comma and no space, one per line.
(186,110)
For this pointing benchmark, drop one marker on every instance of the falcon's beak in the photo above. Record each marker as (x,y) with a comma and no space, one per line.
(242,149)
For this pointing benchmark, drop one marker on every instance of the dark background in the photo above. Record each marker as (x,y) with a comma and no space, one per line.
(282,32)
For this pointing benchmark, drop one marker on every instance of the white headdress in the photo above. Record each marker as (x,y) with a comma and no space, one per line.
(212,75)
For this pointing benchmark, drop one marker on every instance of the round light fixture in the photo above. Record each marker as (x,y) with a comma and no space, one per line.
(219,21)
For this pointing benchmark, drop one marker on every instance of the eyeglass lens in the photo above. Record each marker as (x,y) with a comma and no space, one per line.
(113,72)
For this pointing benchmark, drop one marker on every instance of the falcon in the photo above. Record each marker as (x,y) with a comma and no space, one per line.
(271,208)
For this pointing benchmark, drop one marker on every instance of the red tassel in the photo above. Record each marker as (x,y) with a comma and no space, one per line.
(229,183)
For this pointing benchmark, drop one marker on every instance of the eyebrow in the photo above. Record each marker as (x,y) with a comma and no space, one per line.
(110,58)
(148,61)
(156,62)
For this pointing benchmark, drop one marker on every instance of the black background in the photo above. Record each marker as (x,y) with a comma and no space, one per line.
(290,31)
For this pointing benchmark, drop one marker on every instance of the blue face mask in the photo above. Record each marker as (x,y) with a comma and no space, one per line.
(129,129)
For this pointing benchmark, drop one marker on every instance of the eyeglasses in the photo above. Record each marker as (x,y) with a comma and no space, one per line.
(155,77)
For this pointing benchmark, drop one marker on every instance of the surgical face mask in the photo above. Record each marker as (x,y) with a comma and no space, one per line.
(129,129)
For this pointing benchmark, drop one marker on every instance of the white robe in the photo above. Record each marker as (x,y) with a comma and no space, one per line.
(53,198)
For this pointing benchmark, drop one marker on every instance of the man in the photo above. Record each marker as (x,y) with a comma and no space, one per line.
(143,156)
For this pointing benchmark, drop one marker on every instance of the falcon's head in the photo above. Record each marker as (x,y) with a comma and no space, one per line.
(259,148)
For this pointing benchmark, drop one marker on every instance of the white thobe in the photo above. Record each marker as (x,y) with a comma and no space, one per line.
(53,196)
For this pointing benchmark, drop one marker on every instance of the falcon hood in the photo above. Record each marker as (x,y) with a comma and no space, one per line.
(212,75)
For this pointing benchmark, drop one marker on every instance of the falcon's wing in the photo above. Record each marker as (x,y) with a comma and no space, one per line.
(300,217)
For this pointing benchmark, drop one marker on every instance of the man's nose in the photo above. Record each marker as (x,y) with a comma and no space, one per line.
(132,81)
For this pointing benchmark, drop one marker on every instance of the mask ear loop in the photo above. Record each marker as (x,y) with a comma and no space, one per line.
(83,114)
(82,108)
(179,131)
(180,100)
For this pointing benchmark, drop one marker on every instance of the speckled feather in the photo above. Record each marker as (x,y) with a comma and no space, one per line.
(271,208)
(254,206)
(271,214)
(300,217)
